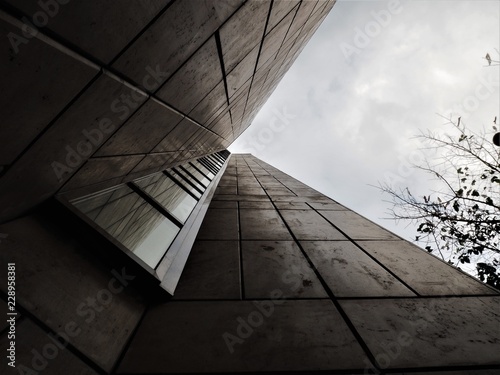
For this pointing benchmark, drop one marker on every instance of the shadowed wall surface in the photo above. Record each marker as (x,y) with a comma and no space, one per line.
(280,278)
(97,93)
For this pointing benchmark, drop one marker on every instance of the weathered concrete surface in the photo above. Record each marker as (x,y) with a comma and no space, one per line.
(309,225)
(32,340)
(278,265)
(297,335)
(220,224)
(59,282)
(212,272)
(413,333)
(423,272)
(195,57)
(351,273)
(262,225)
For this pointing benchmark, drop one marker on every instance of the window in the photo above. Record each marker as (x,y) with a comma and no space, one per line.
(145,217)
(169,195)
(128,218)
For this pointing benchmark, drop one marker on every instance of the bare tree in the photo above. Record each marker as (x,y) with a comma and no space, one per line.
(460,221)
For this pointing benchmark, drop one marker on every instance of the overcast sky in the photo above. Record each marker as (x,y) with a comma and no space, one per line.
(350,105)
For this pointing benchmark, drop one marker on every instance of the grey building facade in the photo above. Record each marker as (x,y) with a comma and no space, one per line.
(134,243)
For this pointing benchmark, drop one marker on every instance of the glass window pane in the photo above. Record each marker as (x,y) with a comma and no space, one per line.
(176,175)
(190,179)
(200,177)
(170,195)
(212,164)
(203,169)
(132,221)
(208,165)
(215,161)
(219,158)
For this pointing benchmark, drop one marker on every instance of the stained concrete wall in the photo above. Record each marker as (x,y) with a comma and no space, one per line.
(283,278)
(95,93)
(280,278)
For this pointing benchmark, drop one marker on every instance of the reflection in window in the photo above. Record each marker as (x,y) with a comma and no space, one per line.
(208,165)
(146,215)
(196,174)
(215,161)
(203,169)
(168,194)
(132,221)
(179,177)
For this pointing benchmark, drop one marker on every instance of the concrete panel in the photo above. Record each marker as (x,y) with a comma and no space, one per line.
(309,225)
(357,227)
(249,181)
(308,192)
(101,29)
(351,273)
(211,106)
(228,180)
(222,124)
(30,339)
(224,204)
(305,10)
(152,161)
(271,265)
(229,177)
(422,271)
(243,190)
(269,182)
(172,39)
(242,198)
(242,32)
(262,225)
(219,224)
(59,282)
(212,272)
(274,40)
(71,140)
(194,80)
(242,72)
(178,137)
(47,85)
(225,190)
(327,206)
(238,106)
(142,132)
(241,91)
(279,10)
(190,337)
(260,205)
(292,206)
(102,169)
(295,199)
(413,333)
(279,192)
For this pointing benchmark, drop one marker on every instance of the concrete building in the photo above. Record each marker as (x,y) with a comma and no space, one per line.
(136,244)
